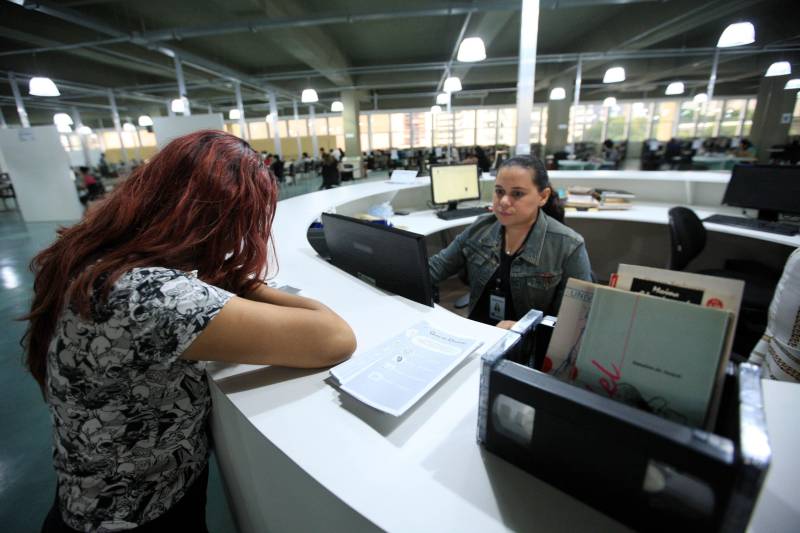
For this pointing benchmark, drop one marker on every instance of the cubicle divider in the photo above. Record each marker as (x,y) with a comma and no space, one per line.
(40,172)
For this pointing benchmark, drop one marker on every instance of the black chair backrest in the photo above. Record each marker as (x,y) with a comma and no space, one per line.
(687,237)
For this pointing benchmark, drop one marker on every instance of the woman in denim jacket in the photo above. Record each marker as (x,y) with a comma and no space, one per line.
(519,257)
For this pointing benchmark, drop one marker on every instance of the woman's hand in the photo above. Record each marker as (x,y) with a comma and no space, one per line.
(506,324)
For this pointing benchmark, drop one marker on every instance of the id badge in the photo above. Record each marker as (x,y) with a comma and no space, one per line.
(497,307)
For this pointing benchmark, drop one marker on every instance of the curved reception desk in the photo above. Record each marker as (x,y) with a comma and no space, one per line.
(298,455)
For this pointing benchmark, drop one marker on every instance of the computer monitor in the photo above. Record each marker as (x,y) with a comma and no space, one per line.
(771,189)
(391,259)
(452,183)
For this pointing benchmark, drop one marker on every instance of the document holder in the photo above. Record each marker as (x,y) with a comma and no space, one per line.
(647,472)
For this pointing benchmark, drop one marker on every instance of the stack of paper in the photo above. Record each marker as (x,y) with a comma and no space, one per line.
(396,374)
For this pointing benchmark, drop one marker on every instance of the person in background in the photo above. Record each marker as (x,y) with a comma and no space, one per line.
(778,351)
(610,153)
(102,166)
(128,305)
(484,164)
(672,153)
(337,154)
(521,256)
(277,167)
(745,149)
(94,189)
(330,172)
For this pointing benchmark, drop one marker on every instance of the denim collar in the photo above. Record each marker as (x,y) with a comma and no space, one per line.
(532,253)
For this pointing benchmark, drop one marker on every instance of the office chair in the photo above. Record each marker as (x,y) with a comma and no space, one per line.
(687,241)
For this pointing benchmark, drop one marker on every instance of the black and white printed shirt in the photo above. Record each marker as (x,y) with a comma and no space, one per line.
(128,414)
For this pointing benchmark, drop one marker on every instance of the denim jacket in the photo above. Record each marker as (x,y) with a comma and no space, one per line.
(553,254)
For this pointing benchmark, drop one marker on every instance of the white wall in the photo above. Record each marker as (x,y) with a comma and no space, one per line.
(168,128)
(40,173)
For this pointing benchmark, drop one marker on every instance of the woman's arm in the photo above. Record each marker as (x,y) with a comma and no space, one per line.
(270,327)
(449,261)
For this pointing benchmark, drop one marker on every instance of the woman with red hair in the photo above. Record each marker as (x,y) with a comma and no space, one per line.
(164,274)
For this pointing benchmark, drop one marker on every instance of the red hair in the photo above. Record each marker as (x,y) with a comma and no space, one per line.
(205,202)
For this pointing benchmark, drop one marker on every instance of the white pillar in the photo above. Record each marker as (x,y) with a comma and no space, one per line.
(182,85)
(170,112)
(312,129)
(2,119)
(76,118)
(240,106)
(117,126)
(276,136)
(297,137)
(526,73)
(23,115)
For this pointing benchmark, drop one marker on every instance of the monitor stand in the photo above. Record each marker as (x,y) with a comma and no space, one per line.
(768,214)
(452,206)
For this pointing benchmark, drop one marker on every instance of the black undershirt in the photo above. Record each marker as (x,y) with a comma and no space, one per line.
(500,284)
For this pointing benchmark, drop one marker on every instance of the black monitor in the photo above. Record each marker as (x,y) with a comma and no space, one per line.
(391,259)
(771,189)
(452,183)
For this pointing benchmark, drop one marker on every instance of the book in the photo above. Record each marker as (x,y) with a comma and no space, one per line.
(396,374)
(559,360)
(656,354)
(699,289)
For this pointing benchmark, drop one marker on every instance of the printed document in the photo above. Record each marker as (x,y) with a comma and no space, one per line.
(394,375)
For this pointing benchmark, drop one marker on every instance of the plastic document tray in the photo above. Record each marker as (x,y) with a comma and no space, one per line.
(645,471)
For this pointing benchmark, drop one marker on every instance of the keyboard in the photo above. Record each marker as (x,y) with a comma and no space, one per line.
(753,223)
(462,213)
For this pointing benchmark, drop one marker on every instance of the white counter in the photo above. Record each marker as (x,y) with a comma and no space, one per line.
(298,456)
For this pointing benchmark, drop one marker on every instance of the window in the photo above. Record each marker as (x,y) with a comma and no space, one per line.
(465,127)
(507,126)
(794,129)
(258,130)
(486,131)
(321,125)
(616,118)
(640,121)
(748,117)
(538,124)
(110,140)
(363,129)
(709,118)
(379,122)
(588,123)
(298,128)
(664,120)
(443,128)
(421,127)
(687,120)
(283,129)
(148,138)
(401,130)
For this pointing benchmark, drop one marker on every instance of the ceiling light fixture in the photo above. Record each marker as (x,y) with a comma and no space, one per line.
(128,127)
(234,114)
(270,117)
(700,98)
(792,84)
(737,34)
(84,130)
(337,106)
(179,105)
(558,93)
(436,109)
(614,75)
(471,50)
(610,102)
(145,120)
(42,87)
(779,68)
(442,99)
(63,128)
(676,87)
(62,119)
(309,96)
(452,84)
